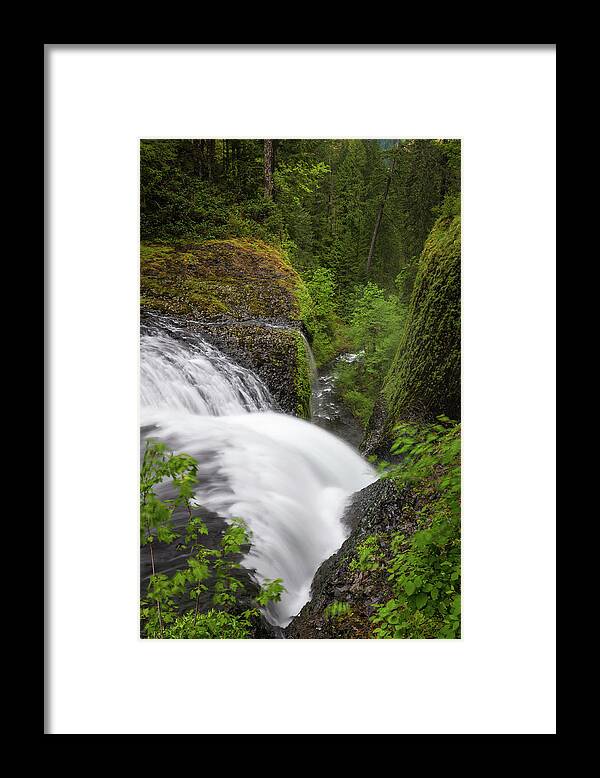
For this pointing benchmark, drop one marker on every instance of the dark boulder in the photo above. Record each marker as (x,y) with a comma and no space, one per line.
(380,507)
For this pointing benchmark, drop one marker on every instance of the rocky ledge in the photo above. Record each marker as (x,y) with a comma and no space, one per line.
(380,507)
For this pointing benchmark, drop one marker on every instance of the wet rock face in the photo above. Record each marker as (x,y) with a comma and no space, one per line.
(380,507)
(275,353)
(377,440)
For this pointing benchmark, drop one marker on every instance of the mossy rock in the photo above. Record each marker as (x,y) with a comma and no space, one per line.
(232,292)
(236,278)
(423,381)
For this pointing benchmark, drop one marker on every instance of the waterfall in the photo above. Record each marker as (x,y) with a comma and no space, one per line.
(191,375)
(288,479)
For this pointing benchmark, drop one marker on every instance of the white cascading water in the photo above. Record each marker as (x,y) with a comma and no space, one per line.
(288,479)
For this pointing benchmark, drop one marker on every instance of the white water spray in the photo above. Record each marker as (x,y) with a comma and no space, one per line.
(288,479)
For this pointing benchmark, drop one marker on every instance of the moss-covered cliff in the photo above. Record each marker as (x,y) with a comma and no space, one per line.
(424,378)
(243,296)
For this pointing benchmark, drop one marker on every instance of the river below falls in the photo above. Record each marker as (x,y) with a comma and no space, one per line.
(328,411)
(289,479)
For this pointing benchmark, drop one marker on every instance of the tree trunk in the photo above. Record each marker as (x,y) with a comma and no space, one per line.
(197,157)
(157,601)
(380,211)
(268,146)
(211,159)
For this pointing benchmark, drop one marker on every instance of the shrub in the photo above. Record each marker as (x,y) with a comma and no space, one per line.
(424,571)
(163,612)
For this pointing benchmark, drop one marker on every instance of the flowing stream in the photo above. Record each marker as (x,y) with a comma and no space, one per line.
(287,478)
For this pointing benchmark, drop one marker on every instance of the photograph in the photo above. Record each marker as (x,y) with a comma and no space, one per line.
(300,388)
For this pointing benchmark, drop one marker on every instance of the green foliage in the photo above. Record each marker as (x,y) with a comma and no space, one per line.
(424,571)
(164,613)
(295,184)
(450,207)
(319,312)
(188,192)
(360,404)
(368,555)
(156,515)
(214,624)
(375,326)
(426,172)
(381,465)
(337,610)
(271,591)
(423,448)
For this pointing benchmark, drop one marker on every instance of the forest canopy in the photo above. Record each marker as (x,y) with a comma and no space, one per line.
(320,203)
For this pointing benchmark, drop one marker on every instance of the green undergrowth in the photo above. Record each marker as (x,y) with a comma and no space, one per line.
(171,607)
(416,574)
(374,328)
(424,569)
(319,305)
